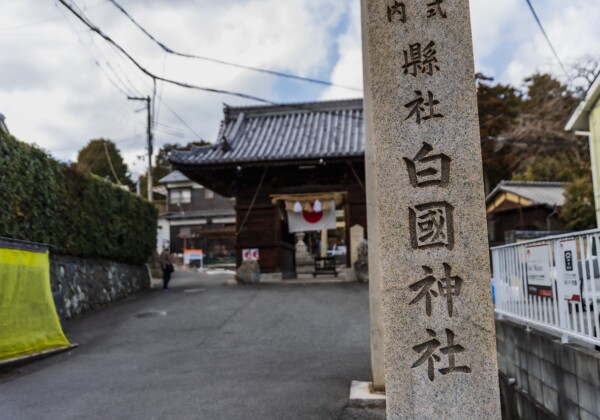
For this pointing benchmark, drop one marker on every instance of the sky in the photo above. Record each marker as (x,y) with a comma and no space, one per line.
(61,85)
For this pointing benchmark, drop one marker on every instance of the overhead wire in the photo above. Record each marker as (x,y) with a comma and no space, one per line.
(81,17)
(88,49)
(227,63)
(160,100)
(172,111)
(110,79)
(558,144)
(539,22)
(108,39)
(198,136)
(129,82)
(125,89)
(162,85)
(46,20)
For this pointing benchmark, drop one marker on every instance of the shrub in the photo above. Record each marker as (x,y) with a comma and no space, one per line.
(42,200)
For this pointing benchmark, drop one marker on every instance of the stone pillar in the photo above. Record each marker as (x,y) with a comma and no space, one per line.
(376,323)
(357,234)
(324,243)
(427,226)
(304,262)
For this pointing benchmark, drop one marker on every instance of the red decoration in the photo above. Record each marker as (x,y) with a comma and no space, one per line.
(312,217)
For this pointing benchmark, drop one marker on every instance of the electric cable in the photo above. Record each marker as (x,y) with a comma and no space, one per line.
(537,19)
(227,63)
(81,16)
(108,39)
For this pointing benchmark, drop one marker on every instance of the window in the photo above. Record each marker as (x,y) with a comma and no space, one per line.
(180,196)
(208,194)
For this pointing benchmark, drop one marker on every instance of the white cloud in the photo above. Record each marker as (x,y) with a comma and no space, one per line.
(348,71)
(573,30)
(56,96)
(53,94)
(489,22)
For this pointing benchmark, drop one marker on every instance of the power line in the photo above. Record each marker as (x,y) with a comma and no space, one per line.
(111,80)
(81,16)
(199,137)
(97,30)
(537,19)
(108,39)
(558,144)
(125,78)
(162,85)
(227,63)
(89,50)
(132,85)
(42,21)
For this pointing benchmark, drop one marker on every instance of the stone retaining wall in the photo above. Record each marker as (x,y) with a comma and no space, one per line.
(542,378)
(82,284)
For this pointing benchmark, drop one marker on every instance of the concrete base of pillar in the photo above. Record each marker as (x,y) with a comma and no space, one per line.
(361,396)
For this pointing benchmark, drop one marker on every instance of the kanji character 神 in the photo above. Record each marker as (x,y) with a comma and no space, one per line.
(448,287)
(426,292)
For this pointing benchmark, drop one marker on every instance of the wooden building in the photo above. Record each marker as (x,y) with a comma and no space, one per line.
(295,149)
(196,217)
(519,210)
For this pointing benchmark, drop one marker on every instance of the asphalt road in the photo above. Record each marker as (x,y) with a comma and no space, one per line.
(272,351)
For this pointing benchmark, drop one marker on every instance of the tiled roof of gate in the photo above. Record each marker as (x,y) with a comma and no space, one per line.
(305,131)
(547,193)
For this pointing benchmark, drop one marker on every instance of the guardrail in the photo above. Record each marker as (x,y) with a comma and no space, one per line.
(551,283)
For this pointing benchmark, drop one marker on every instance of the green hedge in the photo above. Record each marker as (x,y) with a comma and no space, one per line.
(42,200)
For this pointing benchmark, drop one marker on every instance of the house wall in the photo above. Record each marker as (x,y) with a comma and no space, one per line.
(199,201)
(595,154)
(526,218)
(163,234)
(220,241)
(551,380)
(216,240)
(83,284)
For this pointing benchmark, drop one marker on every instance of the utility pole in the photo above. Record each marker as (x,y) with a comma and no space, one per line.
(148,103)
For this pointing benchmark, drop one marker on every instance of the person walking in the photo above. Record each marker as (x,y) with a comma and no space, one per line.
(166,264)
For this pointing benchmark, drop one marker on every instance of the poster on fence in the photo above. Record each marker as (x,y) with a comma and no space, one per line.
(567,270)
(539,281)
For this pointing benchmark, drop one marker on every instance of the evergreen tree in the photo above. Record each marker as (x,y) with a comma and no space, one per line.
(98,155)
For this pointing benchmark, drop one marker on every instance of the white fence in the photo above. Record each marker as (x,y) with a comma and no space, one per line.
(551,283)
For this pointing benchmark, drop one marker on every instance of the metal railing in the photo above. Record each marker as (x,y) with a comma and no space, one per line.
(551,284)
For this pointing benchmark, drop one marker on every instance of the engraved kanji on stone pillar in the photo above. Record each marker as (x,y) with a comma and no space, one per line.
(396,11)
(428,169)
(448,286)
(428,348)
(418,106)
(431,225)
